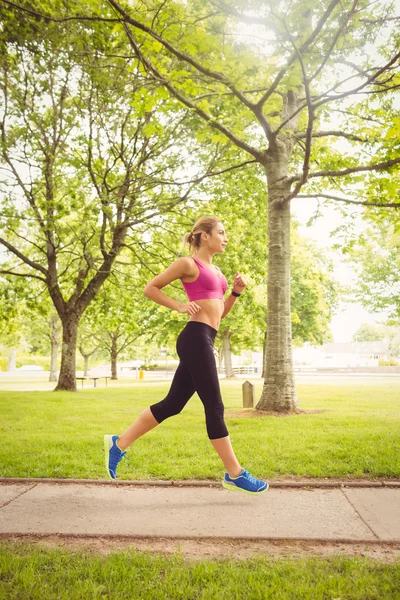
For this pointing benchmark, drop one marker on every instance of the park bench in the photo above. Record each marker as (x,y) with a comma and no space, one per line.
(106,377)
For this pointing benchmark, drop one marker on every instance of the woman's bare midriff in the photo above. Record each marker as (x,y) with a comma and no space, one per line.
(210,312)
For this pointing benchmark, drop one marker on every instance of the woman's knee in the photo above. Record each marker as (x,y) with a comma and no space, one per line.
(215,422)
(164,409)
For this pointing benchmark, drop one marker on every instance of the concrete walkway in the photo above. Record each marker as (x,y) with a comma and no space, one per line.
(138,509)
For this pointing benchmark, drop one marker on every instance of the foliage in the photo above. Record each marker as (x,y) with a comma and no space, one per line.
(387,363)
(367,332)
(314,293)
(376,258)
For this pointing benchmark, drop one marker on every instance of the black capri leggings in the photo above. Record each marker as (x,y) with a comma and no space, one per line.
(197,372)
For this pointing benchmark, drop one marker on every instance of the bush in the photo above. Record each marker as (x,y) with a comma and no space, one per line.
(387,363)
(25,359)
(44,361)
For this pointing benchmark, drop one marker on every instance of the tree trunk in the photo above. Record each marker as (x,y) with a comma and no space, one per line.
(220,358)
(114,355)
(226,338)
(67,377)
(12,361)
(86,365)
(279,392)
(55,344)
(264,353)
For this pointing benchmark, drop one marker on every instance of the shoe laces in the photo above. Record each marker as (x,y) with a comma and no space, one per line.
(250,477)
(115,458)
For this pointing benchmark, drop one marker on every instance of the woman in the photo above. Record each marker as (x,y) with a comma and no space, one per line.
(205,286)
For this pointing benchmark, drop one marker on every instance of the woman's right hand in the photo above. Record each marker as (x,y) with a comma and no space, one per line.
(191,308)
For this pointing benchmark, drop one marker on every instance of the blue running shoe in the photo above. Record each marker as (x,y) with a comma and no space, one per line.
(113,455)
(245,483)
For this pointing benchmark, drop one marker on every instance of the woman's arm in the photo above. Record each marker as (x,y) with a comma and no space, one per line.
(229,302)
(179,268)
(238,286)
(154,293)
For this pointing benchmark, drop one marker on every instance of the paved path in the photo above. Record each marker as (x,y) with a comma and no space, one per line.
(367,514)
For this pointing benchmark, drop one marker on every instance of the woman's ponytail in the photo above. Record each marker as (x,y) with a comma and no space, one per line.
(192,238)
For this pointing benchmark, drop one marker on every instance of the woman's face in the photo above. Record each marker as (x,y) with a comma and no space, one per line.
(218,240)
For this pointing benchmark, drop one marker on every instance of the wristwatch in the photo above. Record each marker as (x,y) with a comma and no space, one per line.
(235,294)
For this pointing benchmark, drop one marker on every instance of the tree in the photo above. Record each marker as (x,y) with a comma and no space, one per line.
(87,346)
(278,107)
(371,333)
(81,170)
(368,333)
(314,292)
(375,256)
(280,103)
(10,303)
(118,318)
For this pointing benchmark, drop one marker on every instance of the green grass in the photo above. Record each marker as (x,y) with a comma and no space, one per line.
(29,572)
(48,434)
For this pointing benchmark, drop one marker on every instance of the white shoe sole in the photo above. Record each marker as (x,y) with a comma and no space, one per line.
(234,488)
(107,446)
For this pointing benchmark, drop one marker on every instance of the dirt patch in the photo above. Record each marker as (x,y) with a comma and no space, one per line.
(195,549)
(252,412)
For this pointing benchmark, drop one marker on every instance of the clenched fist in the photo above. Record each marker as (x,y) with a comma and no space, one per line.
(239,284)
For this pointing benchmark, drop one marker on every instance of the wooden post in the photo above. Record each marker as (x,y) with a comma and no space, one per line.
(248,394)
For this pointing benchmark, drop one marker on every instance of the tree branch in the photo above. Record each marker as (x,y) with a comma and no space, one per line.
(310,124)
(370,80)
(24,258)
(5,272)
(217,76)
(259,156)
(38,15)
(317,134)
(182,55)
(336,198)
(335,39)
(212,174)
(303,47)
(363,118)
(376,167)
(344,94)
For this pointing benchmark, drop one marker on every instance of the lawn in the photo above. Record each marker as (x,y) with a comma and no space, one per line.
(29,572)
(356,434)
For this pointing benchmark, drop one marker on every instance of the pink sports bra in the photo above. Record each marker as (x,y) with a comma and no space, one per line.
(207,285)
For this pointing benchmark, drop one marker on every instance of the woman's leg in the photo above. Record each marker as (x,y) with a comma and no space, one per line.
(197,352)
(225,451)
(144,423)
(181,390)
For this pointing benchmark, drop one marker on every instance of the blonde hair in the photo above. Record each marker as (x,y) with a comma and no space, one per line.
(206,224)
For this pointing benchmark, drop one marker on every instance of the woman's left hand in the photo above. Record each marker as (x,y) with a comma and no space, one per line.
(238,284)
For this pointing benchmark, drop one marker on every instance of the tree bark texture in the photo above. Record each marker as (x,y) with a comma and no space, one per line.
(67,377)
(86,365)
(279,392)
(55,344)
(264,352)
(226,339)
(114,356)
(12,361)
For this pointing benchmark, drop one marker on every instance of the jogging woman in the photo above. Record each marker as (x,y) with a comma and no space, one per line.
(205,286)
